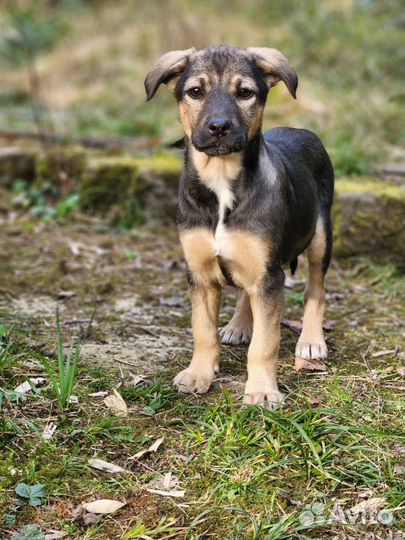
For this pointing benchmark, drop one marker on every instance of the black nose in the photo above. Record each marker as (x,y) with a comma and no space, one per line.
(219,126)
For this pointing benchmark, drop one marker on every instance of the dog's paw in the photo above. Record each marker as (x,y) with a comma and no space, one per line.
(191,381)
(267,400)
(233,334)
(311,350)
(265,394)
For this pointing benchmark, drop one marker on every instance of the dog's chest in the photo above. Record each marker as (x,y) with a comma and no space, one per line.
(225,202)
(218,174)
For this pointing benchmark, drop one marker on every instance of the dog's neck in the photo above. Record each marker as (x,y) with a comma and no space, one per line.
(218,173)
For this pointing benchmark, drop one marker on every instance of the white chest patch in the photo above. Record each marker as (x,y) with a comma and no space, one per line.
(217,173)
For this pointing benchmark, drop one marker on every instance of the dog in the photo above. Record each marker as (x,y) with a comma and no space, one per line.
(249,204)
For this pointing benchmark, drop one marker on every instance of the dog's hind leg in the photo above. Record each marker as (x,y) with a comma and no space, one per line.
(311,343)
(240,327)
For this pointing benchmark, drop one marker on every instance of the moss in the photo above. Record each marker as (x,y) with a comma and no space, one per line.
(16,164)
(368,219)
(108,181)
(62,165)
(369,185)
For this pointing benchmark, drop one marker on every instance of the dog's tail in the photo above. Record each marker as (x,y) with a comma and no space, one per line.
(293,265)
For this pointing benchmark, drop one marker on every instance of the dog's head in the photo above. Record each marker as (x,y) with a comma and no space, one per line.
(221,92)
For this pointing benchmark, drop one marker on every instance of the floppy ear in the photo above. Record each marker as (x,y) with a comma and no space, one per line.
(275,67)
(166,70)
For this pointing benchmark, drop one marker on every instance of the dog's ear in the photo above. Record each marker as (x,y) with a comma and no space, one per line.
(275,68)
(166,71)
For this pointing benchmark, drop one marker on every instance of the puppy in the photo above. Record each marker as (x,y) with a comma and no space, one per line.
(248,205)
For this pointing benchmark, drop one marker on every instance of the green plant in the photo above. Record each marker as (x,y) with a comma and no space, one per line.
(29,532)
(63,375)
(32,495)
(5,345)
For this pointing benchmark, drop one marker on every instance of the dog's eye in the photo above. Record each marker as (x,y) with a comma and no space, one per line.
(244,93)
(195,93)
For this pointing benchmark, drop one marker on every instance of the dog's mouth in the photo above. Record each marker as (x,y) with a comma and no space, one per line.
(219,148)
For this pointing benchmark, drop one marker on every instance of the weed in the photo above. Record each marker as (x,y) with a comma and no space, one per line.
(32,495)
(63,377)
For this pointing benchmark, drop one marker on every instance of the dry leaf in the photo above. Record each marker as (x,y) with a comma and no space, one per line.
(116,403)
(25,387)
(308,365)
(166,483)
(102,465)
(172,493)
(136,379)
(293,325)
(369,504)
(103,506)
(149,450)
(91,519)
(54,535)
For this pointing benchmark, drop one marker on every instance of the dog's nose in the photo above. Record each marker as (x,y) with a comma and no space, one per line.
(219,126)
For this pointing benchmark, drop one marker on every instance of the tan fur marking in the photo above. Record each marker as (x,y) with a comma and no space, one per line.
(246,255)
(197,378)
(210,168)
(200,251)
(240,327)
(311,343)
(261,386)
(255,124)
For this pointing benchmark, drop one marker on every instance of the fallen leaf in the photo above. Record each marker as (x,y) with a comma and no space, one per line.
(49,431)
(91,519)
(172,493)
(401,371)
(296,326)
(136,379)
(116,403)
(308,365)
(102,465)
(152,448)
(25,387)
(103,506)
(166,482)
(369,504)
(73,399)
(316,401)
(328,325)
(54,535)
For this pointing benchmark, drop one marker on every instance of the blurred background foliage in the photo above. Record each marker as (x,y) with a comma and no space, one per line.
(81,64)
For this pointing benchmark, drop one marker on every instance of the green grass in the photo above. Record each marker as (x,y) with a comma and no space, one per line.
(247,473)
(62,376)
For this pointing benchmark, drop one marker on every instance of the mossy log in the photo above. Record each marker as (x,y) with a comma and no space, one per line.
(16,164)
(368,216)
(368,213)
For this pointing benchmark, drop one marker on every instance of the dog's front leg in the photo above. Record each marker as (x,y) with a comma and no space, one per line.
(197,378)
(205,279)
(266,302)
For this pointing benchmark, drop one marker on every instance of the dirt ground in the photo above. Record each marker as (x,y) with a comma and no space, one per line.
(133,286)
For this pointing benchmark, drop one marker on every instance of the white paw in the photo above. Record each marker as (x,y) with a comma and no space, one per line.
(311,350)
(191,381)
(232,334)
(268,400)
(264,394)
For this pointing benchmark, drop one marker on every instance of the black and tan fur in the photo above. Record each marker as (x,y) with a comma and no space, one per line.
(249,204)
